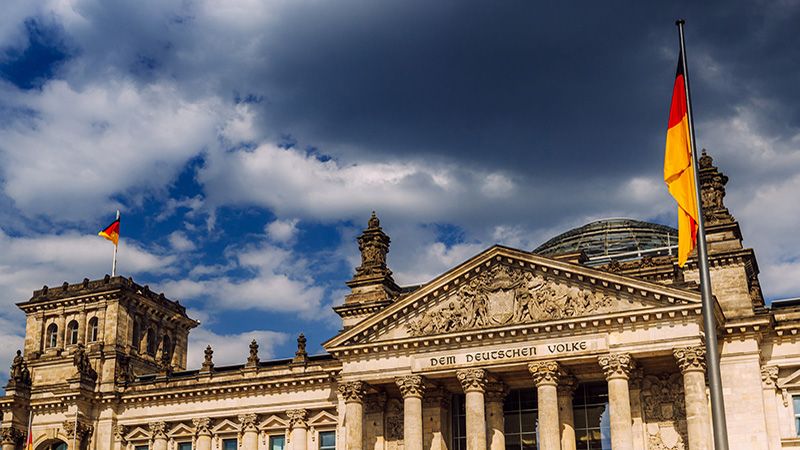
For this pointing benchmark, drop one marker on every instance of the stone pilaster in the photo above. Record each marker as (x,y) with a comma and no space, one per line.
(119,431)
(617,367)
(637,414)
(412,389)
(158,435)
(692,362)
(374,421)
(566,390)
(249,431)
(202,432)
(436,418)
(10,438)
(78,434)
(473,381)
(769,379)
(353,394)
(298,426)
(546,374)
(495,396)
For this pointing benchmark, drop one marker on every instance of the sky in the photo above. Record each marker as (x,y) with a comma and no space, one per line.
(246,142)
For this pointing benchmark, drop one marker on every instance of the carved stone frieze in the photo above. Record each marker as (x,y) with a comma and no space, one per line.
(545,372)
(411,386)
(202,426)
(503,295)
(353,391)
(298,418)
(691,358)
(664,411)
(769,376)
(472,379)
(248,422)
(616,365)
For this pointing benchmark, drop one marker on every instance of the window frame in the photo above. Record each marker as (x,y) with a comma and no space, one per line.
(73,332)
(319,439)
(224,440)
(270,438)
(93,329)
(51,336)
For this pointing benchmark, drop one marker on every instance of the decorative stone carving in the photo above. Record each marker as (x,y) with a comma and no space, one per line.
(83,430)
(503,295)
(635,378)
(297,418)
(11,436)
(374,245)
(19,375)
(567,385)
(158,430)
(664,411)
(353,391)
(375,403)
(202,426)
(394,420)
(691,358)
(300,355)
(253,360)
(123,373)
(712,185)
(472,379)
(411,386)
(82,364)
(208,360)
(616,365)
(248,422)
(545,372)
(119,432)
(769,376)
(496,391)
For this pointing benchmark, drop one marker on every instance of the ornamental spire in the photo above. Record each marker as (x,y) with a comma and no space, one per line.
(712,185)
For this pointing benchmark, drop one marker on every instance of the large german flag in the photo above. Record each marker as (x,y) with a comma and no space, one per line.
(678,167)
(111,232)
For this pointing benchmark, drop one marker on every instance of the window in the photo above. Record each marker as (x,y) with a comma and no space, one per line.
(327,440)
(230,444)
(137,336)
(166,348)
(590,410)
(141,447)
(52,336)
(459,426)
(151,342)
(72,332)
(93,329)
(796,401)
(184,446)
(277,442)
(521,417)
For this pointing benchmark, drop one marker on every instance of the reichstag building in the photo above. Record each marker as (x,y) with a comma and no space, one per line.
(592,341)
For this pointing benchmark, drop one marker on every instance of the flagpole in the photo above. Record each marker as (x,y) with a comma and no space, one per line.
(29,438)
(75,432)
(114,261)
(709,322)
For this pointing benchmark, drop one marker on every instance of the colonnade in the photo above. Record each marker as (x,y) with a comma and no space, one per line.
(555,387)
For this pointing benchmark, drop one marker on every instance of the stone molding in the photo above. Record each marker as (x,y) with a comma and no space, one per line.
(472,380)
(202,426)
(691,358)
(496,392)
(769,376)
(411,386)
(298,418)
(545,372)
(353,391)
(248,422)
(616,365)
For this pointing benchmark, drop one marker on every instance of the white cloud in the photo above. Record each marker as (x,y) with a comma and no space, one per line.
(180,243)
(283,231)
(230,349)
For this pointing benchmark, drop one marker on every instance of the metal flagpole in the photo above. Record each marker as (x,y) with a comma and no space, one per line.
(114,262)
(75,432)
(30,429)
(709,323)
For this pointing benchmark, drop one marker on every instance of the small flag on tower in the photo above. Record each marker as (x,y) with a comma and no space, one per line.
(111,232)
(678,167)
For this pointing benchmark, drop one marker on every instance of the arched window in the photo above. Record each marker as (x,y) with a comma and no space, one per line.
(72,332)
(52,336)
(151,342)
(93,329)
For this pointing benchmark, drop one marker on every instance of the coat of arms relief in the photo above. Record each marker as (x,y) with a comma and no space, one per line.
(503,295)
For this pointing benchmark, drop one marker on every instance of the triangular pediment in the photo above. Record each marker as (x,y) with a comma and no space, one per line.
(504,287)
(322,418)
(181,429)
(137,434)
(273,422)
(226,426)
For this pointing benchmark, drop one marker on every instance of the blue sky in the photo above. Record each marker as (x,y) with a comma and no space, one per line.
(247,141)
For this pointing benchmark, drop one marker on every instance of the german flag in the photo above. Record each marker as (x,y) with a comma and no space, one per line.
(111,232)
(678,167)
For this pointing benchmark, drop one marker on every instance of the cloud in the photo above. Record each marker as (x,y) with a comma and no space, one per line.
(180,243)
(232,348)
(282,231)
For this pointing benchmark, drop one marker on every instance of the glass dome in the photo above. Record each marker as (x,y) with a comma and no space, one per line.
(619,239)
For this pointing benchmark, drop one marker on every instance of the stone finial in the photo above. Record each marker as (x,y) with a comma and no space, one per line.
(496,391)
(545,372)
(373,222)
(158,429)
(19,375)
(472,380)
(411,386)
(353,391)
(202,426)
(374,245)
(769,376)
(301,355)
(253,360)
(208,361)
(617,365)
(712,184)
(248,422)
(691,358)
(298,418)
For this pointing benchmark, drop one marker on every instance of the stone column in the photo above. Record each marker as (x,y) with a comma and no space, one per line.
(159,435)
(353,393)
(82,327)
(495,396)
(566,390)
(436,418)
(298,427)
(546,374)
(473,381)
(692,362)
(769,377)
(617,367)
(249,431)
(412,388)
(61,323)
(635,384)
(10,437)
(202,433)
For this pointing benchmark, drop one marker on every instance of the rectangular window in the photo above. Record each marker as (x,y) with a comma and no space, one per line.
(327,440)
(184,446)
(230,444)
(459,422)
(141,447)
(796,402)
(277,442)
(590,411)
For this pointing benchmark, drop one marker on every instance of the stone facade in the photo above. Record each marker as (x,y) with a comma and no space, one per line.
(428,367)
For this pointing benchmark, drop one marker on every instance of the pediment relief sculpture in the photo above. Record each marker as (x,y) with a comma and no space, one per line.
(502,296)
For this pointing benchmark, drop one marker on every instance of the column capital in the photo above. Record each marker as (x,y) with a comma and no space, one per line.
(353,391)
(11,436)
(158,430)
(545,372)
(248,422)
(567,385)
(617,365)
(411,386)
(496,391)
(297,418)
(472,380)
(691,358)
(119,432)
(202,426)
(769,376)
